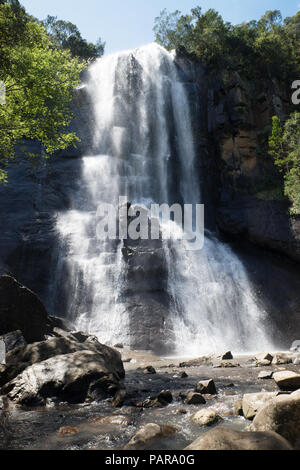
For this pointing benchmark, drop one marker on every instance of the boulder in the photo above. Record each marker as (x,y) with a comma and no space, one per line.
(264,357)
(206,417)
(21,358)
(77,377)
(147,434)
(194,399)
(206,387)
(253,402)
(166,395)
(21,309)
(282,358)
(227,356)
(225,438)
(287,380)
(281,415)
(149,370)
(13,340)
(154,402)
(164,398)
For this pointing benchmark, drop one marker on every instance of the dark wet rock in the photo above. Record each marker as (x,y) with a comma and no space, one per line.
(180,411)
(149,370)
(253,402)
(165,395)
(194,399)
(281,415)
(206,387)
(287,380)
(154,402)
(147,297)
(265,375)
(164,398)
(13,340)
(227,356)
(184,375)
(74,378)
(206,417)
(119,346)
(61,324)
(224,438)
(21,309)
(149,433)
(119,398)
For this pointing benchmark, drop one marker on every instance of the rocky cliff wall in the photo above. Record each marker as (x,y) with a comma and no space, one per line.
(240,186)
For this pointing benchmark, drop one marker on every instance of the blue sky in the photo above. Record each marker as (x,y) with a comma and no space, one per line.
(126,24)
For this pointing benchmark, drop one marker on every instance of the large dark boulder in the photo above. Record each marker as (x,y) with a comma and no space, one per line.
(21,309)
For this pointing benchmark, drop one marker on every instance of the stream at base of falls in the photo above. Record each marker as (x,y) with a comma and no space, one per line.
(39,428)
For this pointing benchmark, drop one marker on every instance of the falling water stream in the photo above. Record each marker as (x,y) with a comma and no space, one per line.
(141,121)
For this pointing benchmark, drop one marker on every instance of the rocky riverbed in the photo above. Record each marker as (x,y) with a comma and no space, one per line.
(102,426)
(62,389)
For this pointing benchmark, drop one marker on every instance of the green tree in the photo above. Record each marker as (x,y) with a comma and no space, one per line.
(39,80)
(67,36)
(268,47)
(284,146)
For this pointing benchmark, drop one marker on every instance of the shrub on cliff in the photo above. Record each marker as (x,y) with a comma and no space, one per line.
(284,146)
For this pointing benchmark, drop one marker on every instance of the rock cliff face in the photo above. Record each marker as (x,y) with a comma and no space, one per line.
(241,190)
(250,200)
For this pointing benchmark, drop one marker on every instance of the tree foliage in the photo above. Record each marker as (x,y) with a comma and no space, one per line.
(270,46)
(67,36)
(284,146)
(39,80)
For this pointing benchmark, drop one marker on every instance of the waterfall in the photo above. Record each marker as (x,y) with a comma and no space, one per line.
(142,130)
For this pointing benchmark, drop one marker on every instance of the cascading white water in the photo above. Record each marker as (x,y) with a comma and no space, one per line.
(142,118)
